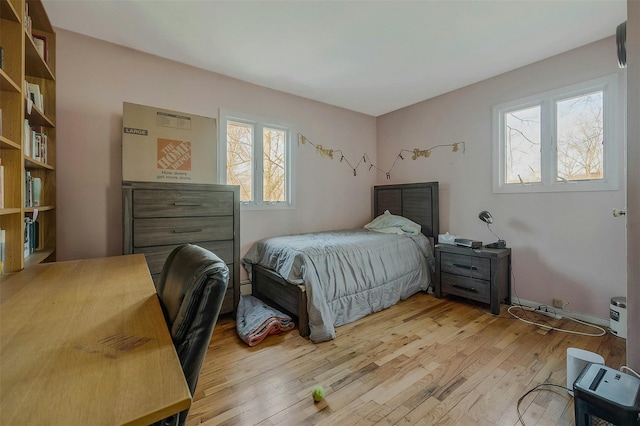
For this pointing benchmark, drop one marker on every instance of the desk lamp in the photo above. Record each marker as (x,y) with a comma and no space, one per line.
(486,217)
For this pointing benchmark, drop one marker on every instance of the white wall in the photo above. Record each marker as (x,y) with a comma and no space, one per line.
(94,78)
(564,245)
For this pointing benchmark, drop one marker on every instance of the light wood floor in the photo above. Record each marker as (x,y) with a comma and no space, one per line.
(424,361)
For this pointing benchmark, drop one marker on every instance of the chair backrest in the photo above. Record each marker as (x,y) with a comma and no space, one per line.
(191,290)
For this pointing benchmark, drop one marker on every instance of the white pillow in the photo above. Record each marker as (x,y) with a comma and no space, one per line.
(391,223)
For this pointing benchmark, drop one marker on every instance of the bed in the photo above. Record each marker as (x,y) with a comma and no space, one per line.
(327,279)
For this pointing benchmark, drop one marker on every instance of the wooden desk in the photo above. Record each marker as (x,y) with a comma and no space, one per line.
(85,343)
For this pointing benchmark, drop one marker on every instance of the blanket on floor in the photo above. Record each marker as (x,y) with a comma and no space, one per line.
(255,320)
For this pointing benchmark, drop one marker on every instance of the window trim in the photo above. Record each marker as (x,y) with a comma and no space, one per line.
(547,101)
(259,124)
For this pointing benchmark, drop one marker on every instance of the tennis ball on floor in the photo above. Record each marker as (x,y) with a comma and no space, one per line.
(318,393)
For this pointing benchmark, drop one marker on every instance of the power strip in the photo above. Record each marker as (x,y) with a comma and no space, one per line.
(549,314)
(602,322)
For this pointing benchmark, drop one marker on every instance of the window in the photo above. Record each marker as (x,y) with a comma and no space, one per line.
(257,157)
(563,140)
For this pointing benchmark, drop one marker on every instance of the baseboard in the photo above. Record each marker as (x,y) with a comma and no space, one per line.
(245,288)
(565,314)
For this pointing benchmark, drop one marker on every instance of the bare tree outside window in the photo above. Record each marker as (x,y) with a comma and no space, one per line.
(580,133)
(274,165)
(565,139)
(522,145)
(258,160)
(579,140)
(239,158)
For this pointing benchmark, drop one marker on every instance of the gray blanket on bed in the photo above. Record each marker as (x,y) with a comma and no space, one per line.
(347,274)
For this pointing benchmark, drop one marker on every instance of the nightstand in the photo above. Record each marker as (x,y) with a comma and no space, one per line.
(482,274)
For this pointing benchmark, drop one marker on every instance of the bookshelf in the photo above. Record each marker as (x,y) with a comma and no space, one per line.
(27,150)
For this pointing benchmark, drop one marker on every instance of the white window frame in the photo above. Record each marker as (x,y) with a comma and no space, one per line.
(547,101)
(258,123)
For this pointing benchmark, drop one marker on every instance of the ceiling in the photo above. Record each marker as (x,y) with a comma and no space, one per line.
(369,56)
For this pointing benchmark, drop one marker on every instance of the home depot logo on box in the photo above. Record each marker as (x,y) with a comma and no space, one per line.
(175,155)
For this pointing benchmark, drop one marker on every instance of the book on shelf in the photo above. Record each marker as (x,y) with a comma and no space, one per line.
(37,145)
(27,138)
(2,250)
(37,191)
(27,237)
(32,190)
(35,142)
(43,148)
(41,46)
(31,235)
(39,142)
(1,185)
(36,97)
(28,23)
(28,189)
(1,57)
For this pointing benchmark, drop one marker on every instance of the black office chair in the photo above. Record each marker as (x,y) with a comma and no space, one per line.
(191,290)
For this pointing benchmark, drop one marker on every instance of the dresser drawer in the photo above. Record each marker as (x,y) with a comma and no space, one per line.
(466,287)
(153,203)
(467,266)
(158,232)
(157,255)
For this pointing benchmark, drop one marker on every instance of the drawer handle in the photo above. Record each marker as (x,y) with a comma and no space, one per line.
(461,287)
(187,230)
(178,203)
(471,267)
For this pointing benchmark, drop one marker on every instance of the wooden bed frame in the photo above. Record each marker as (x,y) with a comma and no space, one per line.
(415,201)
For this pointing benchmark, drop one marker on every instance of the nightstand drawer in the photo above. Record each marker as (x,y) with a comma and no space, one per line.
(466,287)
(467,266)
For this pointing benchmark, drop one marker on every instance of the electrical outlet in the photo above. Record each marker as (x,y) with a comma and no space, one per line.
(557,303)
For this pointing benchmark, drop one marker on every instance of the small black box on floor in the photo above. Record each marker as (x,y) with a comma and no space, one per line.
(606,396)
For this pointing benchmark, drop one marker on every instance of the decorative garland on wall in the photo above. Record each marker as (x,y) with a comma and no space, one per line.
(416,153)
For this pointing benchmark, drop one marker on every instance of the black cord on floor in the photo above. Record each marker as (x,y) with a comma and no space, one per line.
(538,388)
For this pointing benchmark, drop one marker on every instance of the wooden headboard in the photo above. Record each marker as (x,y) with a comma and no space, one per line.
(415,201)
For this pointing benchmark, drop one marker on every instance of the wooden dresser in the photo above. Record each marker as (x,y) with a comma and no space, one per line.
(157,217)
